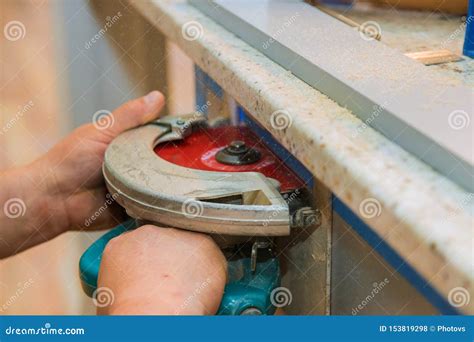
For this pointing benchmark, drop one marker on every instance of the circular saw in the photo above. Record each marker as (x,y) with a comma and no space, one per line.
(181,172)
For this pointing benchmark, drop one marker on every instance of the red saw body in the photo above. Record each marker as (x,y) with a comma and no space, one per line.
(198,151)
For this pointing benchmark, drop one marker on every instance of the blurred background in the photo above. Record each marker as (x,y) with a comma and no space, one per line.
(62,61)
(59,67)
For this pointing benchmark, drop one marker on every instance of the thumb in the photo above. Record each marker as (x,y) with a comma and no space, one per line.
(131,114)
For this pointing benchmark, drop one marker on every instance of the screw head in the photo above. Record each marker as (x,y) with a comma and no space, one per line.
(306,217)
(237,147)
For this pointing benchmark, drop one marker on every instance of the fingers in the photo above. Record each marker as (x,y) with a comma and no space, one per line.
(134,113)
(70,173)
(93,210)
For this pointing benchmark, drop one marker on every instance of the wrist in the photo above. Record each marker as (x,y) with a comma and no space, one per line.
(50,203)
(24,215)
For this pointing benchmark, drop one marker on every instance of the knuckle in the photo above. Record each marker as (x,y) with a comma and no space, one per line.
(111,247)
(116,244)
(206,240)
(145,230)
(83,130)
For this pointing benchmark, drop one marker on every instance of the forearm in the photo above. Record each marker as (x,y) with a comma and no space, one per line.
(26,209)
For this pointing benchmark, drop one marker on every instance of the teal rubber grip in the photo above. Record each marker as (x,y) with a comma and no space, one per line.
(250,290)
(245,289)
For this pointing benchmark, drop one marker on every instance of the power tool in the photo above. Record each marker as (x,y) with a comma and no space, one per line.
(183,172)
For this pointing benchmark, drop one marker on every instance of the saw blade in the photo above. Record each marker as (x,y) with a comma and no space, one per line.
(199,150)
(169,172)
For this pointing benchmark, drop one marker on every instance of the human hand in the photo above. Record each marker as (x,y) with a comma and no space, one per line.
(64,189)
(165,271)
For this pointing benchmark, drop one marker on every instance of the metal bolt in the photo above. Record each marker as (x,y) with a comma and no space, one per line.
(253,256)
(238,153)
(237,146)
(306,217)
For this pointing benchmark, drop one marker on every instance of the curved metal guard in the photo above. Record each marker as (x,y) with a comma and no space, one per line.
(153,189)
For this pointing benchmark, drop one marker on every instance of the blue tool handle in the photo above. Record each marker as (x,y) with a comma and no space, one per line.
(246,291)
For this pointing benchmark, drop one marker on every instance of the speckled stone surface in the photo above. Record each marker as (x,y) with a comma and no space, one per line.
(426,218)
